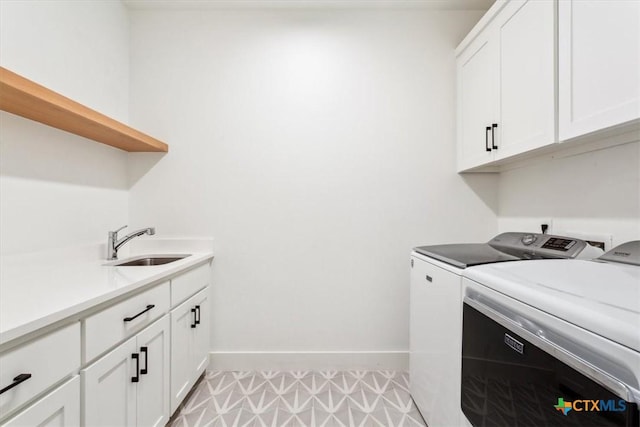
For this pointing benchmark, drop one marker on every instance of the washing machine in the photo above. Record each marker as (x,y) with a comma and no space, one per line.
(553,342)
(435,310)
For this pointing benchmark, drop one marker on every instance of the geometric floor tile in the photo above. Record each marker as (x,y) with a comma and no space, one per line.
(300,399)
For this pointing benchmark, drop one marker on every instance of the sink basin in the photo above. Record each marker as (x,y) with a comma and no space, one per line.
(148,261)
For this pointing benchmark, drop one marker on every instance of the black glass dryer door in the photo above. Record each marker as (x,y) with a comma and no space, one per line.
(509,382)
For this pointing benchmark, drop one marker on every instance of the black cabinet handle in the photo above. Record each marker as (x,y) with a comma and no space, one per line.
(193,325)
(136,377)
(197,314)
(145,371)
(149,307)
(486,138)
(17,380)
(493,136)
(429,278)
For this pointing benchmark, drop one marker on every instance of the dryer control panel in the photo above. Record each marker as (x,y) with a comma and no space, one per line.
(559,244)
(536,246)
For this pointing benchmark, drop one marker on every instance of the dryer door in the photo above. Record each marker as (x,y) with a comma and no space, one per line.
(511,378)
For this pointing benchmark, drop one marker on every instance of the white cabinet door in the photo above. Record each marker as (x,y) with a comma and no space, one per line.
(130,385)
(109,392)
(477,96)
(420,381)
(526,69)
(506,85)
(189,344)
(182,322)
(153,388)
(435,343)
(599,64)
(201,333)
(60,408)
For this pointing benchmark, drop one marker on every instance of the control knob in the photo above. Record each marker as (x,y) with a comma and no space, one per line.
(528,239)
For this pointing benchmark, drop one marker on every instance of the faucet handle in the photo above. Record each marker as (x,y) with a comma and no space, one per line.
(115,233)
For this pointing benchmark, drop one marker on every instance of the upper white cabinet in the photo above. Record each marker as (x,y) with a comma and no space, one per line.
(477,89)
(599,70)
(506,84)
(536,72)
(526,77)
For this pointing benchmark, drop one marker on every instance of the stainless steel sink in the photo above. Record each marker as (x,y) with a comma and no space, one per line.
(148,261)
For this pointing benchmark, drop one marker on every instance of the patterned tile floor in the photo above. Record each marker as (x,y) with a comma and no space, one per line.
(300,398)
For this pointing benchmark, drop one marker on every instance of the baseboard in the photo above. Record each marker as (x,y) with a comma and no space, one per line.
(307,360)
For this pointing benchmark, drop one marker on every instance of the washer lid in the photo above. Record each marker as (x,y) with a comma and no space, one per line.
(602,297)
(465,254)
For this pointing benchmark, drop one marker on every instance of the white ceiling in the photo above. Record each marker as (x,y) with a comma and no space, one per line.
(225,4)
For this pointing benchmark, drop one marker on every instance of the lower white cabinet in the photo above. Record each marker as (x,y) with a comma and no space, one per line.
(435,343)
(137,359)
(189,344)
(201,333)
(61,407)
(130,385)
(155,365)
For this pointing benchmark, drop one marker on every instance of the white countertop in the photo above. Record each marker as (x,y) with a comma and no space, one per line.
(40,289)
(603,298)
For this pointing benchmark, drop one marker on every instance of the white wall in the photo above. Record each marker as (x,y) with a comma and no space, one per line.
(596,193)
(317,147)
(57,189)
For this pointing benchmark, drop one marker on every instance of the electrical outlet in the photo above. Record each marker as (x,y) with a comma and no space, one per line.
(549,226)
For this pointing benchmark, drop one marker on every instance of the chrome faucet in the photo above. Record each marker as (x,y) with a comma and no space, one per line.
(113,244)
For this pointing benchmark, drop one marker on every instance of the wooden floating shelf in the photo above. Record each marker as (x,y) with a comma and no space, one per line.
(25,98)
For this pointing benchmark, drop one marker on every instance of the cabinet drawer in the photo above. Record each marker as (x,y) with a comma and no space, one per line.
(47,359)
(105,329)
(61,407)
(187,284)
